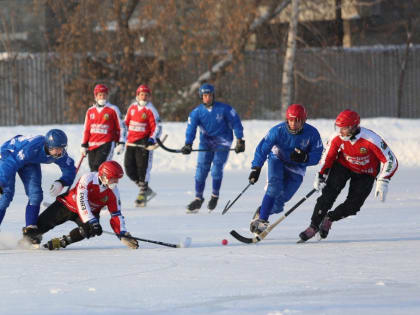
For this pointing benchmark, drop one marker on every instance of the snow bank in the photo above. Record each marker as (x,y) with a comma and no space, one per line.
(402,135)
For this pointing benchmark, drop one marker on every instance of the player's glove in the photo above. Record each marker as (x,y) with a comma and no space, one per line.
(298,156)
(254,175)
(186,149)
(1,191)
(150,142)
(119,149)
(240,146)
(56,188)
(320,181)
(84,149)
(381,189)
(128,241)
(91,228)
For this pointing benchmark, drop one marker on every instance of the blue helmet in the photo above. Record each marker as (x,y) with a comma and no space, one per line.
(205,89)
(55,138)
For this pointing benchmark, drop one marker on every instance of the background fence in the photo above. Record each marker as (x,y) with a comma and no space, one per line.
(326,81)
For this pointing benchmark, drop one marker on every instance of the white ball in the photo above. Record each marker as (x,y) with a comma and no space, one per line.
(186,242)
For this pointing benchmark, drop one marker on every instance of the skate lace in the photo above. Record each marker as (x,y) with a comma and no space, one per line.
(310,231)
(326,224)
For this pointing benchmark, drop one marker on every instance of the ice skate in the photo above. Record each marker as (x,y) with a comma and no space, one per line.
(150,194)
(212,203)
(308,233)
(325,227)
(258,226)
(141,201)
(31,238)
(195,205)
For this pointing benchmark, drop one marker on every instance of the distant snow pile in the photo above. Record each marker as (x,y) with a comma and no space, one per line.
(402,135)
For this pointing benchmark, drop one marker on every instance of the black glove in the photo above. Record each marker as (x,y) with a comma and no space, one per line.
(1,191)
(254,175)
(92,228)
(240,146)
(299,156)
(186,149)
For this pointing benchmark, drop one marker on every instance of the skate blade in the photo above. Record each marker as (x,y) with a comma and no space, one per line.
(192,211)
(151,196)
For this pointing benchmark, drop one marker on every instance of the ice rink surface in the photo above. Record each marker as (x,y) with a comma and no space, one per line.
(369,264)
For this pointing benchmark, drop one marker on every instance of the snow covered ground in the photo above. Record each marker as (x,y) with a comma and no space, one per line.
(368,265)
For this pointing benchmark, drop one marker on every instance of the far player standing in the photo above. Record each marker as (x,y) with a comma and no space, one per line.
(217,122)
(143,125)
(103,130)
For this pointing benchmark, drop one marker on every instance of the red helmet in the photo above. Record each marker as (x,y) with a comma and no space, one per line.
(296,111)
(143,88)
(100,88)
(347,118)
(110,169)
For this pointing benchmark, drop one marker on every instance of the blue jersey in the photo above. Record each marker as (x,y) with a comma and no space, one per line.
(216,125)
(279,144)
(20,151)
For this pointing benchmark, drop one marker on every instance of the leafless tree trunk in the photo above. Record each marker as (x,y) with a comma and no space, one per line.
(289,60)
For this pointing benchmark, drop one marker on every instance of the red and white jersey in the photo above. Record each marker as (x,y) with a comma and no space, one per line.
(88,197)
(363,154)
(141,122)
(102,125)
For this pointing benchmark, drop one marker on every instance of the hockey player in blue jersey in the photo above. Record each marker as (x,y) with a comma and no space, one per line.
(24,156)
(290,147)
(216,121)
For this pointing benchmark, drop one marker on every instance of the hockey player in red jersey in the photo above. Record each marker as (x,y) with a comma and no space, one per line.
(143,124)
(83,204)
(104,130)
(355,154)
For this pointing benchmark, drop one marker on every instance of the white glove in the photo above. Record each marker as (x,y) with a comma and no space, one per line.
(56,188)
(83,151)
(320,181)
(119,149)
(129,242)
(381,189)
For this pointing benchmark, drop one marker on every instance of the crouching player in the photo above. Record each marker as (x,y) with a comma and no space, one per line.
(82,205)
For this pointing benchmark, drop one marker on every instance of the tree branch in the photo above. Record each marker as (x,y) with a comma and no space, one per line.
(273,10)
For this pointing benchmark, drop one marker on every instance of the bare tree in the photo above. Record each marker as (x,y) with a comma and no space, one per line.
(164,43)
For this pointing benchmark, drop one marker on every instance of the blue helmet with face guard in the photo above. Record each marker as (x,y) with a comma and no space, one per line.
(55,138)
(205,89)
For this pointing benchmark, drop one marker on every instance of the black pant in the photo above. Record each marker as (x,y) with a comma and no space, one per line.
(359,189)
(56,214)
(99,155)
(136,161)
